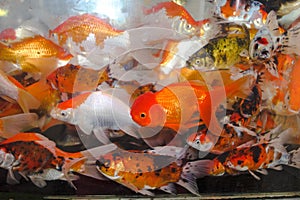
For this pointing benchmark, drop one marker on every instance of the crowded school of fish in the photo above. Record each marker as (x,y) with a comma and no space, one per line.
(226,86)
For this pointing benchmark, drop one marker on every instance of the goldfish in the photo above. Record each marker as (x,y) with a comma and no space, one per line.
(34,54)
(74,78)
(270,40)
(230,138)
(142,171)
(174,105)
(221,52)
(32,154)
(101,111)
(79,27)
(251,12)
(256,158)
(183,22)
(12,89)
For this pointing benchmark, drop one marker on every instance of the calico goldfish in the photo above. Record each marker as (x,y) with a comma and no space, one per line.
(221,52)
(31,154)
(79,27)
(270,40)
(142,171)
(34,54)
(256,158)
(12,89)
(99,109)
(230,138)
(74,78)
(174,105)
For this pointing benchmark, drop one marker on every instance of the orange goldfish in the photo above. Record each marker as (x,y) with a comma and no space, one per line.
(79,27)
(34,54)
(142,172)
(256,158)
(11,88)
(174,105)
(33,156)
(74,78)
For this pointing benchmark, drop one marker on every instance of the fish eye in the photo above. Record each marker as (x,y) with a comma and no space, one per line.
(143,115)
(188,26)
(64,113)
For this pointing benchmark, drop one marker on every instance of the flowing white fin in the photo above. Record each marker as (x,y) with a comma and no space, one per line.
(170,188)
(290,41)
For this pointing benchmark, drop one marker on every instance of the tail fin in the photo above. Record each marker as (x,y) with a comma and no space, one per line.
(14,124)
(295,158)
(27,101)
(290,44)
(192,171)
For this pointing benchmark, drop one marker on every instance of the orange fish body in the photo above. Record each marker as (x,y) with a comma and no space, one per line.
(29,53)
(80,27)
(172,10)
(73,78)
(294,89)
(174,105)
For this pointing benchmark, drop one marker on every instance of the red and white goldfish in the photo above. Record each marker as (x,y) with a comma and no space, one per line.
(79,27)
(142,172)
(243,11)
(99,109)
(34,54)
(256,158)
(11,88)
(175,104)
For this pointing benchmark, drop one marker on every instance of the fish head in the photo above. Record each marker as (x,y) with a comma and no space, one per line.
(147,112)
(262,46)
(65,115)
(200,142)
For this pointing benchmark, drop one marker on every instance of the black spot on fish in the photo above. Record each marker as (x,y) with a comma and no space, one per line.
(256,151)
(223,157)
(240,162)
(173,170)
(157,172)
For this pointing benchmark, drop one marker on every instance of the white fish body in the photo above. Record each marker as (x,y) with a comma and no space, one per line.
(98,110)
